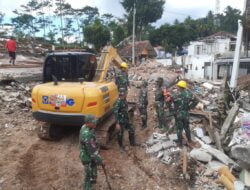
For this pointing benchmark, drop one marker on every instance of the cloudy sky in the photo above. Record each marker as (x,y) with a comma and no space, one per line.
(174,9)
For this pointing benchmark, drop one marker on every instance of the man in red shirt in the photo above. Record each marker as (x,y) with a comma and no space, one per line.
(11,48)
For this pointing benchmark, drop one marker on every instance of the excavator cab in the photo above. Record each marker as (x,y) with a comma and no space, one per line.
(69,66)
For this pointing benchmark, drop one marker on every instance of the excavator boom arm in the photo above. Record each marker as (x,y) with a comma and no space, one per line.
(108,55)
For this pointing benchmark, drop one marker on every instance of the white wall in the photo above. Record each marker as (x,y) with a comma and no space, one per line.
(195,66)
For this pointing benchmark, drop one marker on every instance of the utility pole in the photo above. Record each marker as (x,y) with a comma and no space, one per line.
(236,63)
(133,36)
(217,12)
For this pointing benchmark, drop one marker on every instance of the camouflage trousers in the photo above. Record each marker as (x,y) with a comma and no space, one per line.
(144,116)
(90,175)
(160,116)
(182,123)
(131,133)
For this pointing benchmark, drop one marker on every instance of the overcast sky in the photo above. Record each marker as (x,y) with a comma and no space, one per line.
(174,9)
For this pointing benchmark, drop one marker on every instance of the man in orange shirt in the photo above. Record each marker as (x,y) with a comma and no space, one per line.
(11,48)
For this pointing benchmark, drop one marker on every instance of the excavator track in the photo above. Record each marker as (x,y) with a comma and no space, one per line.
(49,131)
(105,131)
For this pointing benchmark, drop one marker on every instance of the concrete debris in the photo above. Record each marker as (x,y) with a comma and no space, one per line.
(245,177)
(172,137)
(242,154)
(166,159)
(199,132)
(215,165)
(200,155)
(160,146)
(206,139)
(229,120)
(155,138)
(221,157)
(238,185)
(208,85)
(15,94)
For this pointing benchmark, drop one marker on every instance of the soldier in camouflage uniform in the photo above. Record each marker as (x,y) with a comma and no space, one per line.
(122,120)
(183,102)
(121,79)
(159,103)
(89,155)
(143,104)
(168,109)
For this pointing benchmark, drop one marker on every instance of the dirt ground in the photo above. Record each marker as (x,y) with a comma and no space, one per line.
(28,163)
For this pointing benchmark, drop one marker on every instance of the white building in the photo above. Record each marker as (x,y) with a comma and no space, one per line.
(202,55)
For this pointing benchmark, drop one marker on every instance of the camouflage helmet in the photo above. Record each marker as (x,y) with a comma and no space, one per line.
(122,92)
(90,119)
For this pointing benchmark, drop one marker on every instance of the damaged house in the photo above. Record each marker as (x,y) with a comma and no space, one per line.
(143,49)
(211,57)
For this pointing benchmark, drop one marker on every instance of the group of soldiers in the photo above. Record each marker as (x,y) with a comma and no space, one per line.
(168,105)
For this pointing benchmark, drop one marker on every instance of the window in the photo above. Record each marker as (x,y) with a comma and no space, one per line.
(69,67)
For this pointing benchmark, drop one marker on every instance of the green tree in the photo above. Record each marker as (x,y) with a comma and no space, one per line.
(52,36)
(97,34)
(24,23)
(91,13)
(62,10)
(146,13)
(118,34)
(229,20)
(1,17)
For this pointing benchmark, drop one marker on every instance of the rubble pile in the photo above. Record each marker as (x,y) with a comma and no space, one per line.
(150,71)
(15,96)
(221,128)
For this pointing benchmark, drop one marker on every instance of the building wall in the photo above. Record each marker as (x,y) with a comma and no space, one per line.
(195,66)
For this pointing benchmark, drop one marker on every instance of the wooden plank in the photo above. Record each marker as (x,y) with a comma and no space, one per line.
(214,133)
(229,120)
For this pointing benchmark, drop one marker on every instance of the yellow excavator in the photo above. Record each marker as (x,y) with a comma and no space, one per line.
(74,85)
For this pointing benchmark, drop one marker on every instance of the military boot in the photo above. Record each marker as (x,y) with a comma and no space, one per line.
(121,147)
(132,140)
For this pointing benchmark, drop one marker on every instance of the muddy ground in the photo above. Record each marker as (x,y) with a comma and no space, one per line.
(28,163)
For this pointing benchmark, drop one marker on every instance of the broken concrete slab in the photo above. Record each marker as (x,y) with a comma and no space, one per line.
(206,139)
(155,138)
(160,146)
(229,120)
(245,177)
(200,155)
(221,156)
(172,137)
(208,85)
(166,159)
(199,132)
(242,154)
(215,165)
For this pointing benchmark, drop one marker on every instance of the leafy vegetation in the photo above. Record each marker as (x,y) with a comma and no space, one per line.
(64,25)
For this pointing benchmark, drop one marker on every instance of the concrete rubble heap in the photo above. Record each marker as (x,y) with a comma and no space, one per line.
(14,96)
(219,124)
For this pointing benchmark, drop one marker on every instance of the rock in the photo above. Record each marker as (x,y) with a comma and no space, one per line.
(245,177)
(201,155)
(242,154)
(215,165)
(206,139)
